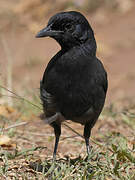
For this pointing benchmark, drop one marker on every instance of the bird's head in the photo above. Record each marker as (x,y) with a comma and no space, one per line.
(68,29)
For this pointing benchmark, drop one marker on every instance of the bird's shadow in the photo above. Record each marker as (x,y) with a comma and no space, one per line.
(49,165)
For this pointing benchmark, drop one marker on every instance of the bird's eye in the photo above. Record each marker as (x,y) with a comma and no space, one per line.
(68,26)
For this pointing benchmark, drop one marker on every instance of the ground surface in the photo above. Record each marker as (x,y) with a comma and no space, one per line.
(116,44)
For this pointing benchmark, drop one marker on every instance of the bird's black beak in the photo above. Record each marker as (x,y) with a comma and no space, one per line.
(44,32)
(47,31)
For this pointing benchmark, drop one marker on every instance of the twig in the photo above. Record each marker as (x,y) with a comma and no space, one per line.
(22,98)
(35,134)
(47,134)
(9,96)
(68,137)
(14,125)
(73,130)
(94,141)
(97,143)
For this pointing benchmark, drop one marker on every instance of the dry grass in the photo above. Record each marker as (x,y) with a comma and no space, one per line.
(28,154)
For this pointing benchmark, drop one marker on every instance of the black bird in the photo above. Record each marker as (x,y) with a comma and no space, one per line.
(74,84)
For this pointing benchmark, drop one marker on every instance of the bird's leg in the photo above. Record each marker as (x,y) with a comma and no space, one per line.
(87,133)
(56,146)
(87,145)
(57,131)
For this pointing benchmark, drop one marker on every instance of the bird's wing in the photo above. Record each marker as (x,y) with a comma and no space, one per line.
(101,76)
(48,100)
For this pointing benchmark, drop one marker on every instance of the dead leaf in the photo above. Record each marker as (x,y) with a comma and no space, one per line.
(6,111)
(4,140)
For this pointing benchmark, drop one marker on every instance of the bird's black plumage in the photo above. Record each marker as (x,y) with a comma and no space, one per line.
(74,84)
